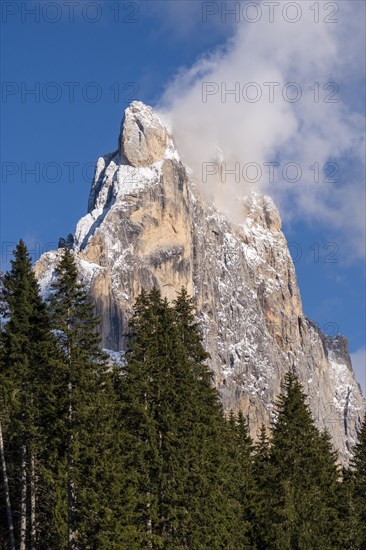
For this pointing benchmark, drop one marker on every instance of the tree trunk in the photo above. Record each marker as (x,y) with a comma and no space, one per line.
(33,504)
(70,479)
(23,499)
(7,494)
(149,524)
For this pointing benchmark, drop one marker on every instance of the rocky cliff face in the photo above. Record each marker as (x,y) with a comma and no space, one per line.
(147,225)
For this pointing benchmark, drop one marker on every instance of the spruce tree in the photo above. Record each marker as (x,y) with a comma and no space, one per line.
(28,363)
(359,488)
(261,505)
(218,509)
(86,467)
(241,480)
(305,476)
(349,524)
(174,457)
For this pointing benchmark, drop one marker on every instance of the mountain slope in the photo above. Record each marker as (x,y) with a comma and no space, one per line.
(147,224)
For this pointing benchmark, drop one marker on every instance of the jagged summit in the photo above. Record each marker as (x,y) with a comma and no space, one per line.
(147,226)
(143,138)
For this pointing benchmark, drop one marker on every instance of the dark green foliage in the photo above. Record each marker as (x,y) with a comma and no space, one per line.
(176,431)
(350,530)
(304,478)
(28,396)
(358,491)
(58,414)
(141,456)
(241,479)
(262,503)
(85,470)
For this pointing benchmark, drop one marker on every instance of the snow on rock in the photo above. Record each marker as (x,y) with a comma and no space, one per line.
(147,225)
(45,271)
(115,357)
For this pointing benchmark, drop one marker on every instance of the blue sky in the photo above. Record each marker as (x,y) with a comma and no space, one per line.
(86,68)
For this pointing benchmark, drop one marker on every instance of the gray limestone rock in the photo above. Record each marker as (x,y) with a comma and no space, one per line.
(143,137)
(148,226)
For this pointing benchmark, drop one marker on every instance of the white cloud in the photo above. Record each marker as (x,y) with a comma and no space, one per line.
(358,359)
(305,132)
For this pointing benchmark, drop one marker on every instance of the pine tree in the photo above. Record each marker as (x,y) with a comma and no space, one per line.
(305,476)
(190,334)
(18,356)
(27,360)
(359,488)
(262,502)
(87,465)
(174,456)
(349,525)
(241,480)
(218,509)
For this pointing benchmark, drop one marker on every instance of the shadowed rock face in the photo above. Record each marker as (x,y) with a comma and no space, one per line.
(148,226)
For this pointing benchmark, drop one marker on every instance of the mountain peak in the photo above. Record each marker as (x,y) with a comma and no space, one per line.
(148,226)
(143,139)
